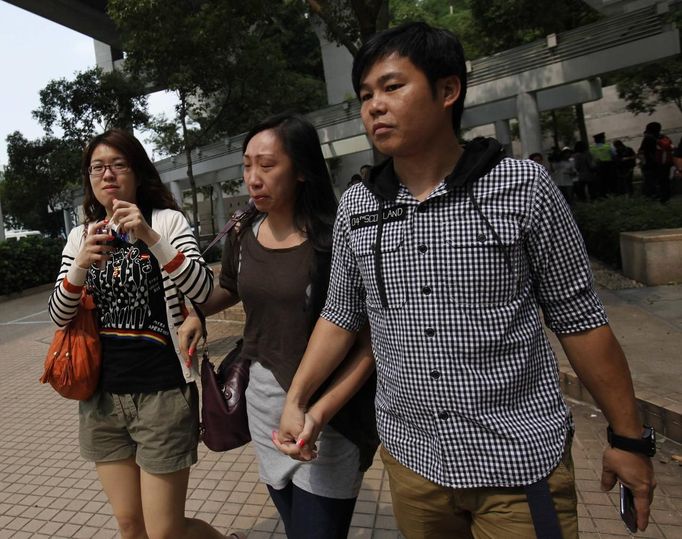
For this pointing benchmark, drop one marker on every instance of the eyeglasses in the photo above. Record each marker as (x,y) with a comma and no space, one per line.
(116,169)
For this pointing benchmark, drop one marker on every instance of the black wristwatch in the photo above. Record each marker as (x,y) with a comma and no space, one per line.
(646,445)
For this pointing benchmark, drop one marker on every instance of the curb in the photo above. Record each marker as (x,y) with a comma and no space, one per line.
(27,292)
(660,415)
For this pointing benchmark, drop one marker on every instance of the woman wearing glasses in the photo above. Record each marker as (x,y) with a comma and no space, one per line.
(137,255)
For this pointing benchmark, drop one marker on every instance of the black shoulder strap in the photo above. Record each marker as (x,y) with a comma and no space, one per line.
(237,217)
(542,510)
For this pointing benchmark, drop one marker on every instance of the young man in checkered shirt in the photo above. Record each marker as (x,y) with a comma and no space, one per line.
(448,250)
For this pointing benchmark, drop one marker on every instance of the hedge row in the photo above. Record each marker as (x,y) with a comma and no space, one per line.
(28,262)
(602,221)
(33,261)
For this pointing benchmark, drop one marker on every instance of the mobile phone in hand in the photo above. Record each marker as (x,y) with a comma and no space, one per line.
(627,508)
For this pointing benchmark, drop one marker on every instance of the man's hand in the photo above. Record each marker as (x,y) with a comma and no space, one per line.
(635,472)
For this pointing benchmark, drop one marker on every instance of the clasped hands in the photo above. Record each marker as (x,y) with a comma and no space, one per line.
(299,428)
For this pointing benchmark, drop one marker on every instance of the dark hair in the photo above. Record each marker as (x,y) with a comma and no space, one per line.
(580,146)
(535,155)
(355,178)
(435,51)
(653,128)
(151,191)
(315,207)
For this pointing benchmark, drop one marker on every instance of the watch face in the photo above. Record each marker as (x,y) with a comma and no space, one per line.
(649,436)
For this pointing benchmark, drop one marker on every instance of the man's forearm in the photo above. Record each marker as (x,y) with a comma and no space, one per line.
(327,347)
(355,370)
(599,362)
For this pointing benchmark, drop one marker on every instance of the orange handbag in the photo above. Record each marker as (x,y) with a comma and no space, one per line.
(73,361)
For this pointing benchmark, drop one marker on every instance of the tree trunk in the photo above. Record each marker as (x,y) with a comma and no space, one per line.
(555,130)
(580,116)
(190,172)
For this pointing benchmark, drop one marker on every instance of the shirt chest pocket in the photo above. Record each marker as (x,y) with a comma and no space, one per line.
(484,270)
(388,279)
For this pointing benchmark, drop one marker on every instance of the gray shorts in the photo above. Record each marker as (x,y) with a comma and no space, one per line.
(160,429)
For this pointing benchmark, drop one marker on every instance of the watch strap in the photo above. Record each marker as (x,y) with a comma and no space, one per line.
(644,446)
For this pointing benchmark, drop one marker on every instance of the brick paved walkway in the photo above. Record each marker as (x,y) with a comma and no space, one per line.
(46,490)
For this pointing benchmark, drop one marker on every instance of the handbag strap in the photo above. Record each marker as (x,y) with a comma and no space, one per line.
(237,217)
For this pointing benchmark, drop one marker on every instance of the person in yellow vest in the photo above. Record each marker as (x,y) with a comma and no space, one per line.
(605,170)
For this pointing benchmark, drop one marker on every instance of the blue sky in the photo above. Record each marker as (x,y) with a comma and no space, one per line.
(34,51)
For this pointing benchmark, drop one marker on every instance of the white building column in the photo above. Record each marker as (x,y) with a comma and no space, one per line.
(177,192)
(107,57)
(529,123)
(503,135)
(2,225)
(68,223)
(219,208)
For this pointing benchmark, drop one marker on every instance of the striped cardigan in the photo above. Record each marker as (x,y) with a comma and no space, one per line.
(184,272)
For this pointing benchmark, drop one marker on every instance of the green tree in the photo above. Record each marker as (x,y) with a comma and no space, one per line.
(228,63)
(36,178)
(504,24)
(91,103)
(646,87)
(455,15)
(351,22)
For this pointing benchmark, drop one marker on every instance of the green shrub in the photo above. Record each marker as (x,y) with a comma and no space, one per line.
(28,262)
(602,221)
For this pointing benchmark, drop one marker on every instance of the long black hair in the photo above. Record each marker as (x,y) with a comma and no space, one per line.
(151,191)
(315,206)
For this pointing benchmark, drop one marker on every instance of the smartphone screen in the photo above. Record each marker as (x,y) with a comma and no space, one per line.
(627,508)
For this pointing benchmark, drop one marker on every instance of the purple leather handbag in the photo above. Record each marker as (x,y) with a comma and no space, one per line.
(224,423)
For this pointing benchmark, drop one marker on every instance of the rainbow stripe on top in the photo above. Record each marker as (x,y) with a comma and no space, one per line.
(136,334)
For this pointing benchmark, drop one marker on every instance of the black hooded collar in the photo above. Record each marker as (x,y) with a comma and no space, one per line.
(480,156)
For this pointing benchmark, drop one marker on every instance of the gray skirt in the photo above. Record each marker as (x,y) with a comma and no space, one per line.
(334,473)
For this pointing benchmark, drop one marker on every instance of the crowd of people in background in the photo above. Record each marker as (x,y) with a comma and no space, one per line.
(605,168)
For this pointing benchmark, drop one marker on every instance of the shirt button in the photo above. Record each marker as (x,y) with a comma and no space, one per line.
(443,416)
(422,248)
(481,238)
(435,374)
(429,332)
(426,290)
(421,208)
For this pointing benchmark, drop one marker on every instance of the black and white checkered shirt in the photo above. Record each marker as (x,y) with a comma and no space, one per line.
(468,386)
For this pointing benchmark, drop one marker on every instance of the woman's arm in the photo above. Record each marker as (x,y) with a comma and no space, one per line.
(191,330)
(80,252)
(178,253)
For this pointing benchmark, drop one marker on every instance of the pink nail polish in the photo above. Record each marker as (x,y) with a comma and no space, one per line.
(300,443)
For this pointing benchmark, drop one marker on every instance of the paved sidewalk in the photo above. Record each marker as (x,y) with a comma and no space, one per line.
(46,490)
